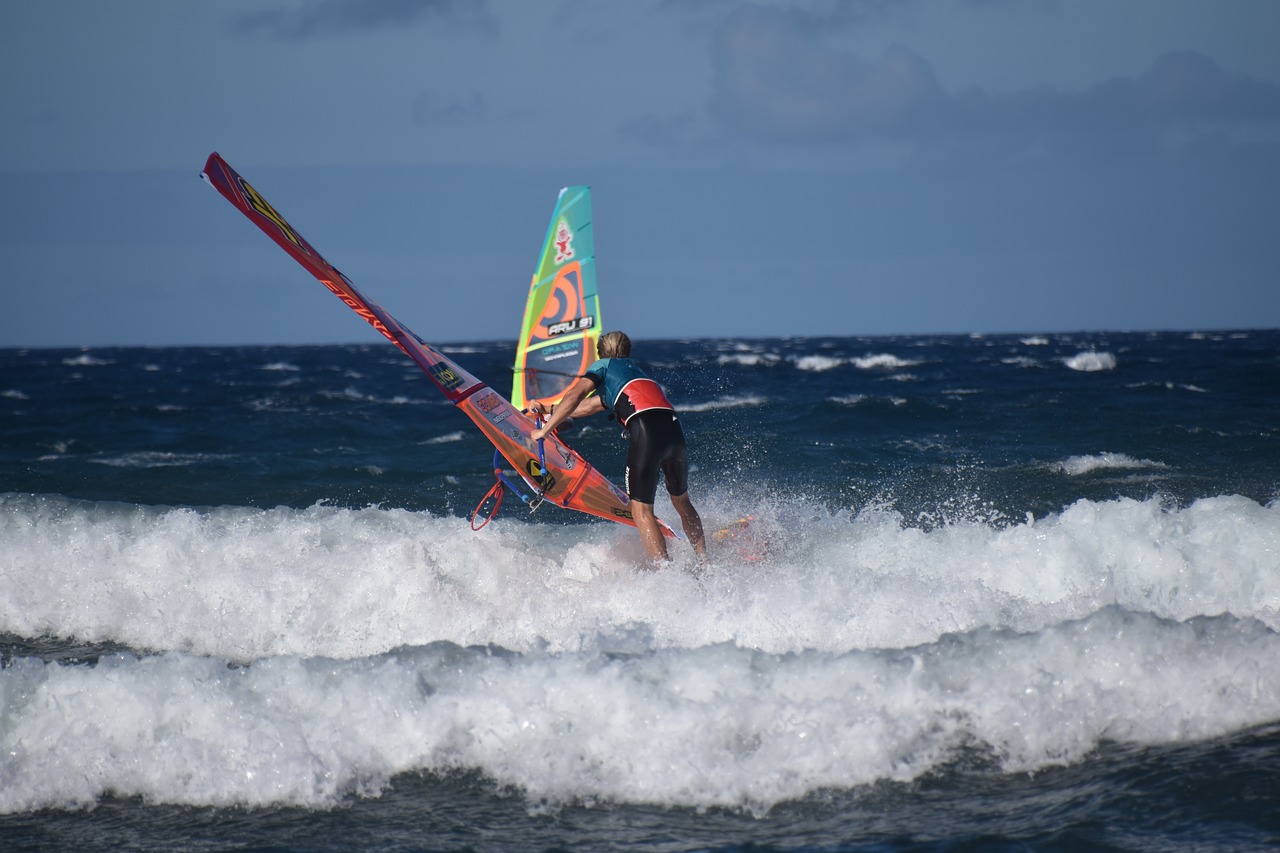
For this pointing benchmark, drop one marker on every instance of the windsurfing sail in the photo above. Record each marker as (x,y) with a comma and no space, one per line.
(562,314)
(570,481)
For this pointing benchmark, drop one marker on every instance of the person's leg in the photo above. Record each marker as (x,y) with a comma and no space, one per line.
(647,524)
(675,468)
(692,523)
(642,484)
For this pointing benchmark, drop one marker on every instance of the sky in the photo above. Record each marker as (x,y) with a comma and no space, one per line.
(758,169)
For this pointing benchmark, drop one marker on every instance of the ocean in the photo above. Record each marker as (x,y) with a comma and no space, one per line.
(1002,592)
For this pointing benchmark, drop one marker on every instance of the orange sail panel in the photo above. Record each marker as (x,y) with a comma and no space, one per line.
(571,481)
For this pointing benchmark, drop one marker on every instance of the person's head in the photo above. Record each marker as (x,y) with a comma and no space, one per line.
(613,345)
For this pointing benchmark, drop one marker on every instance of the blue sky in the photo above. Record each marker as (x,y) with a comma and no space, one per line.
(815,167)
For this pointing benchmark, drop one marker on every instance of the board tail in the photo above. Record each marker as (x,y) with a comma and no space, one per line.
(570,481)
(562,312)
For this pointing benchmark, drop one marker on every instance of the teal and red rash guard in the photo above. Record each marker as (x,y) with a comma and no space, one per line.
(625,389)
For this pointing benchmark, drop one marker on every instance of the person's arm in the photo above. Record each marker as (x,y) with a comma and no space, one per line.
(590,406)
(593,405)
(568,407)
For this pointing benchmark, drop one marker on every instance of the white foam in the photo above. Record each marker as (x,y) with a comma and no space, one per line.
(154,459)
(859,399)
(818,363)
(1091,361)
(1076,466)
(1170,386)
(86,360)
(732,401)
(370,643)
(883,361)
(242,583)
(715,726)
(749,359)
(351,392)
(447,438)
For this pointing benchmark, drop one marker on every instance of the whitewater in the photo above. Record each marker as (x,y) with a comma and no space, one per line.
(987,560)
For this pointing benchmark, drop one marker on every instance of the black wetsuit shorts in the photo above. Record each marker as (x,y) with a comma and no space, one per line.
(657,444)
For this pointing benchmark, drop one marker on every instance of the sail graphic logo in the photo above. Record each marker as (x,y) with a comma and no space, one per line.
(445,377)
(490,404)
(360,308)
(535,474)
(567,326)
(565,309)
(260,204)
(564,242)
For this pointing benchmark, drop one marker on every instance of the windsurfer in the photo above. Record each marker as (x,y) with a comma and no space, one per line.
(657,440)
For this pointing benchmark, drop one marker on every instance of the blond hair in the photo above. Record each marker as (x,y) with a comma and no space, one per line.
(613,345)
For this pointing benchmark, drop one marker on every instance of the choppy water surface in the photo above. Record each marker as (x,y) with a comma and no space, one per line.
(1019,590)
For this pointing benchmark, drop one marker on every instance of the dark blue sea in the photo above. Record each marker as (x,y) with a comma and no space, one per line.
(1006,592)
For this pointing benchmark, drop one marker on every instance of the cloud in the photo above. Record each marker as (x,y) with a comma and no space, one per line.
(777,81)
(319,18)
(1185,101)
(675,132)
(825,14)
(429,108)
(1185,85)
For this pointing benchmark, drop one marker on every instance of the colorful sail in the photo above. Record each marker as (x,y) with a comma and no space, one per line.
(570,481)
(562,314)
